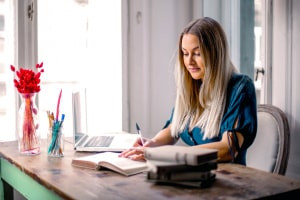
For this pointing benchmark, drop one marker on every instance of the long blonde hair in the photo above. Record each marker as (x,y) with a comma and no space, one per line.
(201,103)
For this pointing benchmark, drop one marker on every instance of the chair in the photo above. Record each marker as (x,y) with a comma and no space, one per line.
(270,149)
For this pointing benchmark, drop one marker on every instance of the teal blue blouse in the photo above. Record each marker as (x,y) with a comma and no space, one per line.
(241,106)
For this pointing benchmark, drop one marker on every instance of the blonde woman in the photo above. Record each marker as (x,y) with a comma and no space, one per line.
(215,106)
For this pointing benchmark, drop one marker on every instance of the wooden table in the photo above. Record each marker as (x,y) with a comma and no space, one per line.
(43,177)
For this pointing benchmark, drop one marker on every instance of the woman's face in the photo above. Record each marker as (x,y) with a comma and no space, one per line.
(191,56)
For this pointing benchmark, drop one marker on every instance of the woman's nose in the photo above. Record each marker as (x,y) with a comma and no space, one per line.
(190,59)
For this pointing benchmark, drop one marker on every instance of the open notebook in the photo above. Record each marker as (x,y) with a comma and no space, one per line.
(99,142)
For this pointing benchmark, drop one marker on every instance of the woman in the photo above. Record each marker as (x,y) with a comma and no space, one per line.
(215,106)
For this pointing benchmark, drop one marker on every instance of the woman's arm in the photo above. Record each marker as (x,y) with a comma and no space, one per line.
(222,146)
(163,137)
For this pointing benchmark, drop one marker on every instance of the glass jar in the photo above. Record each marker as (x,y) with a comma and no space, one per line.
(55,140)
(29,141)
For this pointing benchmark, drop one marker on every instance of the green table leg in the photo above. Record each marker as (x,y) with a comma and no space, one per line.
(23,183)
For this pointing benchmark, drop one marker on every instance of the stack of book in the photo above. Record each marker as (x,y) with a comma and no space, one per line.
(181,165)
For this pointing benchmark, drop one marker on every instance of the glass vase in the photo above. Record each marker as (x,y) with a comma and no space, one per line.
(28,125)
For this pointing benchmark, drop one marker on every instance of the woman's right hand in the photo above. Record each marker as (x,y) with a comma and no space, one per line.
(137,151)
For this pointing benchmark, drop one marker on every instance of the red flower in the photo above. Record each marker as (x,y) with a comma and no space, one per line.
(12,68)
(28,80)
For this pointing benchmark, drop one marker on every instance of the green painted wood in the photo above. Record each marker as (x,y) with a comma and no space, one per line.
(28,187)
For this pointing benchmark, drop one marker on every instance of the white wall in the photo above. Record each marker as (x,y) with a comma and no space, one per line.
(152,41)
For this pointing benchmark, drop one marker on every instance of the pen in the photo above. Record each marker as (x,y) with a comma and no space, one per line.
(140,133)
(62,119)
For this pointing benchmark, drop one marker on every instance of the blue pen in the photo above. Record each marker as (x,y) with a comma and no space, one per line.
(62,119)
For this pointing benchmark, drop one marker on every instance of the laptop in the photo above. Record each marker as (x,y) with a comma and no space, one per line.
(114,141)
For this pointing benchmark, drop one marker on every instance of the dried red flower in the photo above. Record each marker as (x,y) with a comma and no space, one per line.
(28,80)
(12,68)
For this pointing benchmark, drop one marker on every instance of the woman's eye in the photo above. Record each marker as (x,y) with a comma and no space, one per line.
(193,54)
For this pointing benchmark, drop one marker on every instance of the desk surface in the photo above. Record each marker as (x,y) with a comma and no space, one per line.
(69,182)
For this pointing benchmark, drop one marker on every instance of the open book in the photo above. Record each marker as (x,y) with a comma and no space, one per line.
(111,161)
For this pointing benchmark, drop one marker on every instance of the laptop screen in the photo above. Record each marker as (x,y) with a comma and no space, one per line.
(79,114)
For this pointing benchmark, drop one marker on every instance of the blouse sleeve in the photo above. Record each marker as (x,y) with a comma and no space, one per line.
(168,122)
(241,107)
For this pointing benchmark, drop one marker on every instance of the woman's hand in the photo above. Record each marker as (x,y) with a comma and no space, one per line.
(137,151)
(134,153)
(163,137)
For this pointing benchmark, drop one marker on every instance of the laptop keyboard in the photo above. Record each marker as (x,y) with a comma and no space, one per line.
(99,141)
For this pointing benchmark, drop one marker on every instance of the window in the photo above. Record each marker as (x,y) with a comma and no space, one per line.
(263,50)
(79,42)
(7,95)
